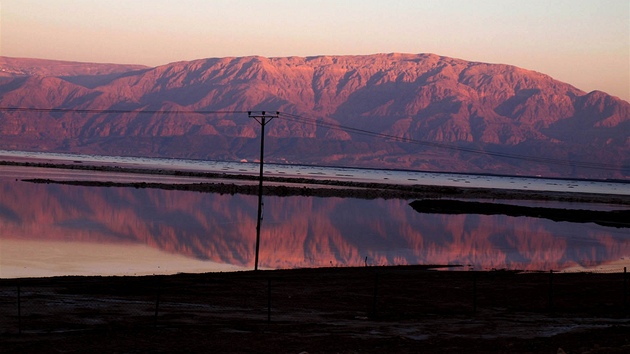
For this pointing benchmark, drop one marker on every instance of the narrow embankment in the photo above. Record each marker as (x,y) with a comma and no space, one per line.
(614,218)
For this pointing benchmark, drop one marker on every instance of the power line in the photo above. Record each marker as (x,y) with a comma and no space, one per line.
(112,111)
(544,160)
(334,126)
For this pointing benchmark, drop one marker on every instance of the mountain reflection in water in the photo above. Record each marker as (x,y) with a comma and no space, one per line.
(297,231)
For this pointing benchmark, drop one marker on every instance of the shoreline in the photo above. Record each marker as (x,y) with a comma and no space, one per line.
(300,186)
(9,159)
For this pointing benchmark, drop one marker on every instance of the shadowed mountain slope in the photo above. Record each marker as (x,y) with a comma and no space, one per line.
(456,115)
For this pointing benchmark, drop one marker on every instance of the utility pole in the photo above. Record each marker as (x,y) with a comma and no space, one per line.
(262,118)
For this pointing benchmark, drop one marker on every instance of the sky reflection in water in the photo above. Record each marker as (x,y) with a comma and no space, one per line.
(59,229)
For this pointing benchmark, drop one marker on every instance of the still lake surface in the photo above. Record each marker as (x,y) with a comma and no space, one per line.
(53,229)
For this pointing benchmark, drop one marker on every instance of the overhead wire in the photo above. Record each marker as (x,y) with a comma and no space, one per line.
(112,111)
(334,126)
(538,159)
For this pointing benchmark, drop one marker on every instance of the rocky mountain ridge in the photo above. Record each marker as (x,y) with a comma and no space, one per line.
(452,115)
(43,67)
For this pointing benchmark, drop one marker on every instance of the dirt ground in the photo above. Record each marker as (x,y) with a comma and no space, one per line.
(332,310)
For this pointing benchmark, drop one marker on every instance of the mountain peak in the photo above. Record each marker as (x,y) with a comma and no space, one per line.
(424,98)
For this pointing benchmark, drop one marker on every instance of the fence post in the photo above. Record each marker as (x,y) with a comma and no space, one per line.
(157,302)
(268,300)
(474,293)
(375,298)
(625,288)
(19,309)
(550,289)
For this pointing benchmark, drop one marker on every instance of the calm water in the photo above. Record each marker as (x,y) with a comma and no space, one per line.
(54,229)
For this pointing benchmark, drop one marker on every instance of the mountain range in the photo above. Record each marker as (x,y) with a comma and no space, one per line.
(400,111)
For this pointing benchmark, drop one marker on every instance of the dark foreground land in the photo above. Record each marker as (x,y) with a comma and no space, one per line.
(332,310)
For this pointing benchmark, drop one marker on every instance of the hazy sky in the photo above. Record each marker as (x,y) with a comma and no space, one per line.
(583,42)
